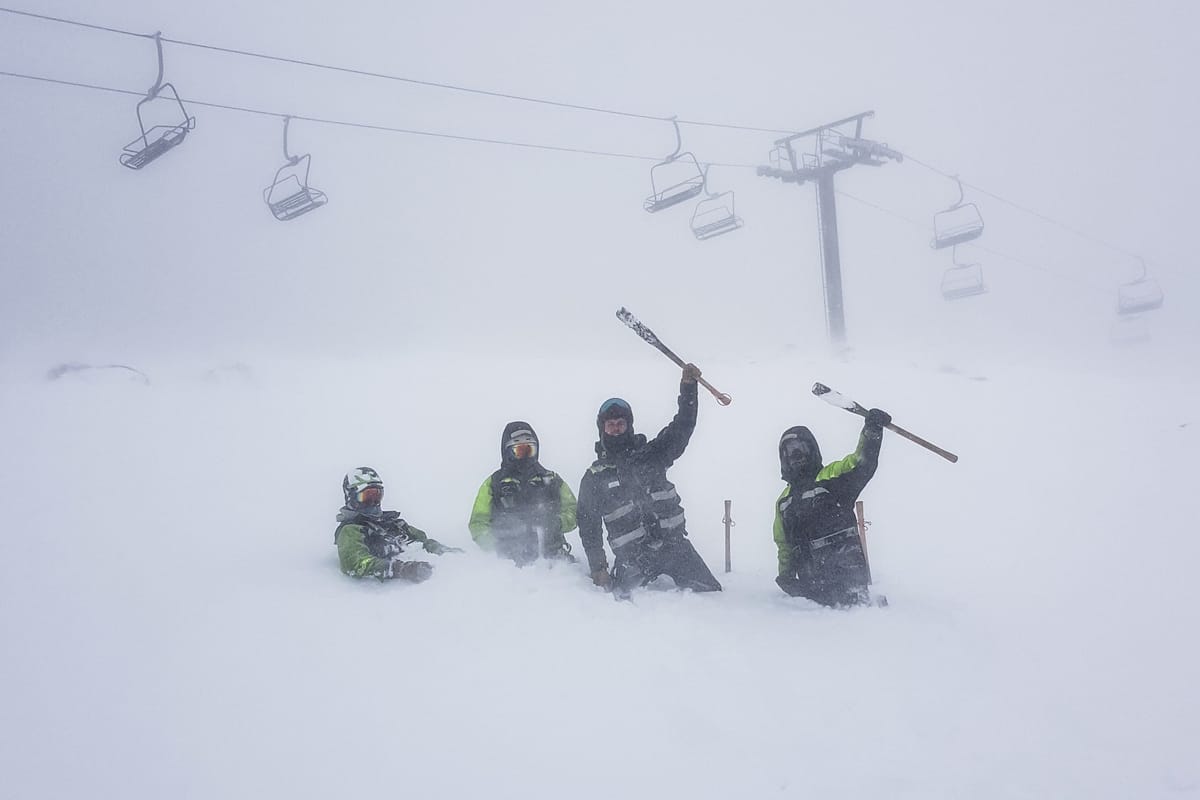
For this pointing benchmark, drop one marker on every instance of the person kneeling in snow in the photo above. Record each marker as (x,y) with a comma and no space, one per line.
(816,533)
(626,491)
(523,508)
(370,540)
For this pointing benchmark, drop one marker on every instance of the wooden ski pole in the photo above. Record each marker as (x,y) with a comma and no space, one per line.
(729,523)
(649,337)
(841,401)
(862,535)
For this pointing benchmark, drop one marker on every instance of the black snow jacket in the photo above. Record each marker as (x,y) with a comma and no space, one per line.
(814,517)
(627,491)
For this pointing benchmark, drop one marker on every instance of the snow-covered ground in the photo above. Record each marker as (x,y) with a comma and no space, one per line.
(175,625)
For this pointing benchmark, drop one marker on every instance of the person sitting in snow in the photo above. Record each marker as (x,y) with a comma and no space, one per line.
(370,541)
(816,532)
(523,509)
(626,490)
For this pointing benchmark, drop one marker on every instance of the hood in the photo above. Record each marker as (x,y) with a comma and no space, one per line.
(800,471)
(506,459)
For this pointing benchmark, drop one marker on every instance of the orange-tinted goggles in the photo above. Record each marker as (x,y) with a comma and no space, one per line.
(370,496)
(524,450)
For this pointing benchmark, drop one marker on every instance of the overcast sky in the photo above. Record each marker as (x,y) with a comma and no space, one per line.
(1084,113)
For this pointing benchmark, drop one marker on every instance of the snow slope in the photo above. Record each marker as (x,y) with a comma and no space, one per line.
(174,624)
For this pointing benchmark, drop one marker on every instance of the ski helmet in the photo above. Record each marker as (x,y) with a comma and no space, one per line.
(363,489)
(613,435)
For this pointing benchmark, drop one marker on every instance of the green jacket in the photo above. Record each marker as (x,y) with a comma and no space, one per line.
(512,504)
(826,504)
(367,547)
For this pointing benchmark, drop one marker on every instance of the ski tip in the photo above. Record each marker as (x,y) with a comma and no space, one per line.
(820,389)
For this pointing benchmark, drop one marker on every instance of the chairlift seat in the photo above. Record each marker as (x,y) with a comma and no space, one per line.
(155,143)
(288,198)
(1143,294)
(159,139)
(714,216)
(963,281)
(688,181)
(674,195)
(956,225)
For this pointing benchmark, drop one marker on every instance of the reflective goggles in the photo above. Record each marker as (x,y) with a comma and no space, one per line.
(523,450)
(370,496)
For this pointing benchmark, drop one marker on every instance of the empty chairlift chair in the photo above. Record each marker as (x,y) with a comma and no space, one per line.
(959,223)
(158,139)
(1141,294)
(674,180)
(962,280)
(714,214)
(289,195)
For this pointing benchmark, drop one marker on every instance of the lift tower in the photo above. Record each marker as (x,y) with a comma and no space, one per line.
(831,148)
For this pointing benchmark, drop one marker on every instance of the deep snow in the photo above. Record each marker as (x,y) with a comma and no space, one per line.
(174,623)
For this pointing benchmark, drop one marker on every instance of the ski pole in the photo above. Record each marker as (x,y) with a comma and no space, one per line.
(841,401)
(648,335)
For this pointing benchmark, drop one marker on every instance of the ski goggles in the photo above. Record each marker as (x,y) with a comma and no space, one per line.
(523,450)
(370,496)
(796,448)
(522,444)
(615,427)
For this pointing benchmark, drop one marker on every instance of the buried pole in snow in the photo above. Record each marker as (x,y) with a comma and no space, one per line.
(729,523)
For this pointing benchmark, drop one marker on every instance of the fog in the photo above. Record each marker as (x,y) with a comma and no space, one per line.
(443,244)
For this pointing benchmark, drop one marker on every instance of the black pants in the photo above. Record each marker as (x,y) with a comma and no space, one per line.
(834,577)
(640,562)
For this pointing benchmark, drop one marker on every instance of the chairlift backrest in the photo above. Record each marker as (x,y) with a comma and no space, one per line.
(959,223)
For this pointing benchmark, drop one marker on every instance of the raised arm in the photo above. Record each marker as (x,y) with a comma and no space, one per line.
(672,440)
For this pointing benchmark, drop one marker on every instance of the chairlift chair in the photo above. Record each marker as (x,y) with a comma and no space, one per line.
(1141,294)
(158,139)
(289,195)
(674,180)
(714,214)
(962,280)
(959,223)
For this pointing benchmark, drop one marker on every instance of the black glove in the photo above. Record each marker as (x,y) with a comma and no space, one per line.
(414,571)
(878,418)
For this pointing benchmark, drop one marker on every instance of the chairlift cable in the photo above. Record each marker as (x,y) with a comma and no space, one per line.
(921,226)
(361,125)
(555,103)
(398,78)
(1025,209)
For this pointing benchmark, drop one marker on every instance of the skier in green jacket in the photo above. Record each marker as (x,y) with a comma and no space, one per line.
(816,532)
(370,541)
(523,509)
